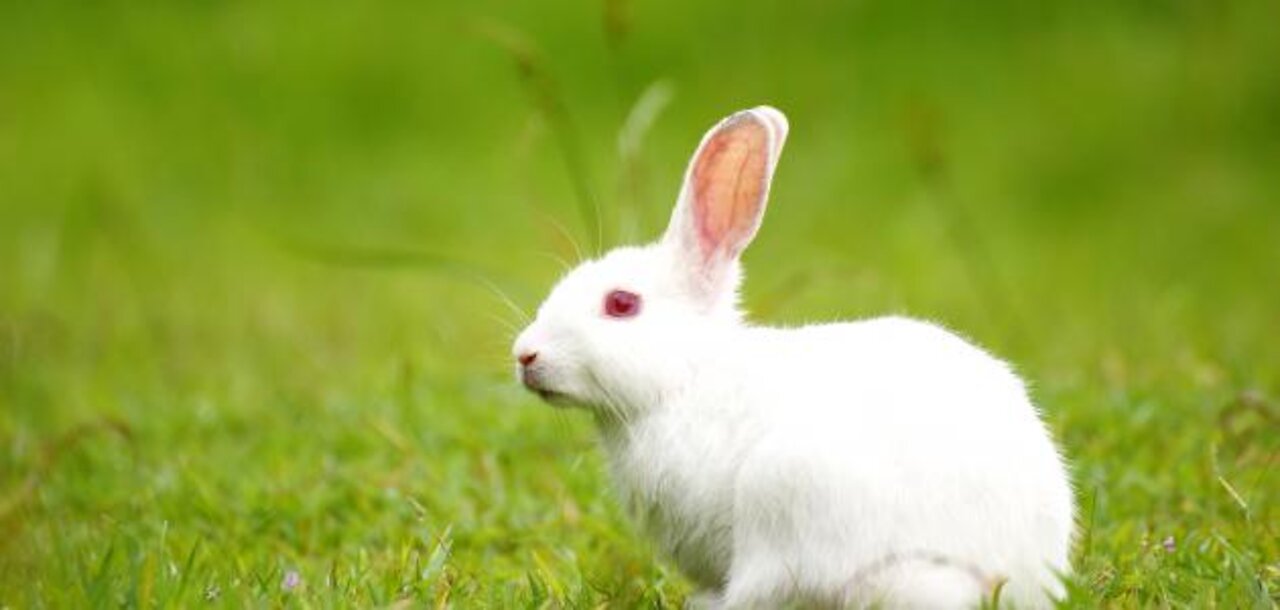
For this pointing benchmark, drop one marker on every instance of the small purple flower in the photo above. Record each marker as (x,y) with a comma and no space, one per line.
(291,580)
(1169,544)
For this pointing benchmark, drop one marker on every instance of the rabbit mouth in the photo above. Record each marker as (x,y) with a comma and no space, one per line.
(533,382)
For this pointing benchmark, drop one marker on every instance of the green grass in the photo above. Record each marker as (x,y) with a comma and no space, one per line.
(246,328)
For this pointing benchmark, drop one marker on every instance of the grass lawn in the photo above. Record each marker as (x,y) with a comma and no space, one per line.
(260,266)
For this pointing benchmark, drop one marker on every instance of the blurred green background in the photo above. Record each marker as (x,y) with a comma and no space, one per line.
(254,343)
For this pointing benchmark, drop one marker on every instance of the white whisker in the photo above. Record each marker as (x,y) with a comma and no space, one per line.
(512,327)
(506,299)
(565,265)
(568,236)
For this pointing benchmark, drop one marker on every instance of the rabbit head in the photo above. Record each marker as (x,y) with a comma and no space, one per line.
(620,332)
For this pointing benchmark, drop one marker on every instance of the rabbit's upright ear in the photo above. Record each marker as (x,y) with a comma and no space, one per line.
(725,190)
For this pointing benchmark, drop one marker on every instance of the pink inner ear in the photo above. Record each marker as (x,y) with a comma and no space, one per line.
(729,186)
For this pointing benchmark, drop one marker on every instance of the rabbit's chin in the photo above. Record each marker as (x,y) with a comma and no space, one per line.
(556,399)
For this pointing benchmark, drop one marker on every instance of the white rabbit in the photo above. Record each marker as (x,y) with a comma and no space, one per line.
(883,462)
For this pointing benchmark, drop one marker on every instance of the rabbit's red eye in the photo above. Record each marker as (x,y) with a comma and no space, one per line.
(621,304)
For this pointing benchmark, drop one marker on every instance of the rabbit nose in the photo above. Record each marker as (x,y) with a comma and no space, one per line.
(527,358)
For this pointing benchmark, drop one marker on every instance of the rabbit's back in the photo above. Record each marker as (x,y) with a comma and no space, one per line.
(894,448)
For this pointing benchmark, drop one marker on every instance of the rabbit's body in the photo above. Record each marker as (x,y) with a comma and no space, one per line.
(837,472)
(879,462)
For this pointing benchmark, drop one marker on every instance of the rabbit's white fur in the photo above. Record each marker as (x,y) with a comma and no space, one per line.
(882,462)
